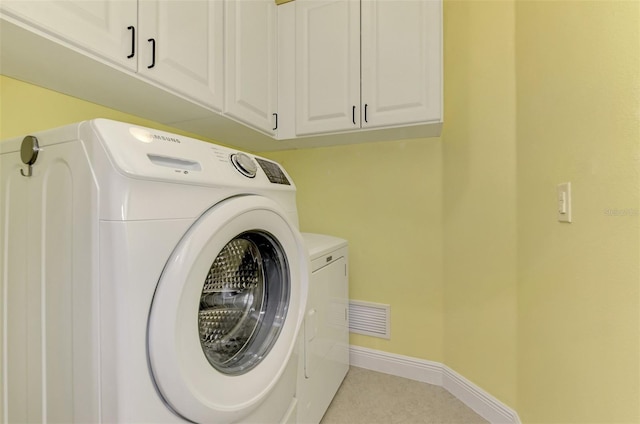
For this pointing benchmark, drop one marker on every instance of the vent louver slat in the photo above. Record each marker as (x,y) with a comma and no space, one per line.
(371,319)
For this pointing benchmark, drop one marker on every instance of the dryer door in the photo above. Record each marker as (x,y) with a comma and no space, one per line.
(227,310)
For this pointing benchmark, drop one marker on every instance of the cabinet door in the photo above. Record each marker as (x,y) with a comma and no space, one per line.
(327,66)
(181,44)
(401,62)
(251,62)
(104,28)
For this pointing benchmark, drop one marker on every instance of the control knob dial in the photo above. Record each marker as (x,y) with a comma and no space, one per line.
(244,164)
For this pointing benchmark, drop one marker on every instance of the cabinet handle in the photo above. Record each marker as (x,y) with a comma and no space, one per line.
(365,112)
(153,52)
(353,115)
(276,116)
(133,41)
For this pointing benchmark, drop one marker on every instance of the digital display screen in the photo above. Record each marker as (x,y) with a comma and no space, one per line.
(273,171)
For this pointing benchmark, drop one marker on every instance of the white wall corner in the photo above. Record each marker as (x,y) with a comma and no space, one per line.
(485,405)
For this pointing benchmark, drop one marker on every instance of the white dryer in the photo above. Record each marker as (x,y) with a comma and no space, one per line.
(147,277)
(324,352)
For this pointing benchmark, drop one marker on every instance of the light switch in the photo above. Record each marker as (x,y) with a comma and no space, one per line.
(564,202)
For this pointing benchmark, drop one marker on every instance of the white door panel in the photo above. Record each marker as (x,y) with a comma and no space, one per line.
(401,71)
(251,62)
(327,66)
(102,27)
(181,46)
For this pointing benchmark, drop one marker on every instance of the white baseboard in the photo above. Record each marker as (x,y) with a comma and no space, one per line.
(485,405)
(401,366)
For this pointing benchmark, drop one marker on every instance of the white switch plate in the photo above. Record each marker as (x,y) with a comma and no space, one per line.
(564,202)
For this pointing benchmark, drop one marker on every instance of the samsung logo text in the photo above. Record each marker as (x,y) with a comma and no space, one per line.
(165,138)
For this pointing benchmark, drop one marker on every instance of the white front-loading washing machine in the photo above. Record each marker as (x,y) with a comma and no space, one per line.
(147,277)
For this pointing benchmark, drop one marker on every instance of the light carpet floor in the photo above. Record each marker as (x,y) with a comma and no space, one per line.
(369,397)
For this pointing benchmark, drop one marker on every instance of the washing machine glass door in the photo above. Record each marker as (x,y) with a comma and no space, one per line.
(227,310)
(244,301)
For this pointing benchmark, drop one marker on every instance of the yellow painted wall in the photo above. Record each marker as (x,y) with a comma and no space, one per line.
(459,234)
(385,199)
(542,315)
(26,108)
(578,120)
(479,148)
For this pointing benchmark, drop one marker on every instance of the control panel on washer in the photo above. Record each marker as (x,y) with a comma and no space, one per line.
(248,168)
(154,154)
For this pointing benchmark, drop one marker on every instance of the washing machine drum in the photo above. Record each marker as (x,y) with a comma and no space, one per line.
(227,310)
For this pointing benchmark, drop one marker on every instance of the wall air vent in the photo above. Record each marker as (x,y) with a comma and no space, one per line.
(370,319)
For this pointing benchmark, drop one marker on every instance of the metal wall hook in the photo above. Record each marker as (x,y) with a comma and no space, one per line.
(29,154)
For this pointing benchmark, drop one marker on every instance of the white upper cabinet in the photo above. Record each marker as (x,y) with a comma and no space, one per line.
(401,62)
(307,73)
(251,58)
(327,66)
(174,43)
(105,28)
(181,47)
(367,64)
